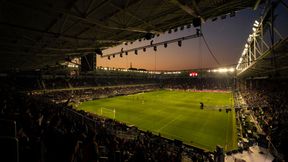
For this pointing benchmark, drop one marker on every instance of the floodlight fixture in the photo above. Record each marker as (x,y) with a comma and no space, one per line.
(256,24)
(165,45)
(196,22)
(179,43)
(214,19)
(250,38)
(198,31)
(148,36)
(232,14)
(231,70)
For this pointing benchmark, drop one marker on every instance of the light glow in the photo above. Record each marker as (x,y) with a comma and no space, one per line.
(223,70)
(193,74)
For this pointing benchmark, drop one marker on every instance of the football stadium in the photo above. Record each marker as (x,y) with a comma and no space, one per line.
(144,81)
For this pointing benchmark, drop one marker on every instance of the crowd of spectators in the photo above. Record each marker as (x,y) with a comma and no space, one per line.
(270,106)
(38,82)
(108,81)
(198,83)
(91,93)
(52,132)
(46,82)
(247,132)
(91,81)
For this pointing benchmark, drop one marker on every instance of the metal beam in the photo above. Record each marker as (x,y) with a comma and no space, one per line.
(191,10)
(156,44)
(44,9)
(84,49)
(103,3)
(256,4)
(56,35)
(55,21)
(133,15)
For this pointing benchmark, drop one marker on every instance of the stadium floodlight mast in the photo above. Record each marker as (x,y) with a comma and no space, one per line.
(251,38)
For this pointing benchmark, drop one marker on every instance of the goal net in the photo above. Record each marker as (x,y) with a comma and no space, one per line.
(107,112)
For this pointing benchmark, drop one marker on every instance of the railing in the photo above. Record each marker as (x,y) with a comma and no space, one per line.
(129,135)
(9,146)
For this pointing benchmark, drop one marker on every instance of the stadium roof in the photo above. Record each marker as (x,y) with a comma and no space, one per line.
(37,33)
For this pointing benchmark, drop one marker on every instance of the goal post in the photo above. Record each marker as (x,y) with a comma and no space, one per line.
(111,113)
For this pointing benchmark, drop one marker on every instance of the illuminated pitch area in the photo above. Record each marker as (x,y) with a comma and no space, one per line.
(175,115)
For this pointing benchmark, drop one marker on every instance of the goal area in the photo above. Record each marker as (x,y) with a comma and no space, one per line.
(108,112)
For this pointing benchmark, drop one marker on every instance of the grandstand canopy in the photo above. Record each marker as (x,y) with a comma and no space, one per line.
(37,33)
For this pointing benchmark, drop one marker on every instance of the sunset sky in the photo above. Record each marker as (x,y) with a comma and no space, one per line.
(226,38)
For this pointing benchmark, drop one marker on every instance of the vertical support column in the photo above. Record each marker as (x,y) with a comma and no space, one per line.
(240,85)
(88,62)
(254,47)
(254,83)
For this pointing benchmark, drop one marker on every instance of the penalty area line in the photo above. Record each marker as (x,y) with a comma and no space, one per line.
(168,123)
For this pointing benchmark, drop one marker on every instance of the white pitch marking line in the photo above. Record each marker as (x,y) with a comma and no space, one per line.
(168,123)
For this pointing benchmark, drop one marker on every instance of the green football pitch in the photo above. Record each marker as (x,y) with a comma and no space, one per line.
(175,115)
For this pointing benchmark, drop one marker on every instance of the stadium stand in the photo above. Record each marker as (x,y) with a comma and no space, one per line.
(269,105)
(43,121)
(198,83)
(54,132)
(39,124)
